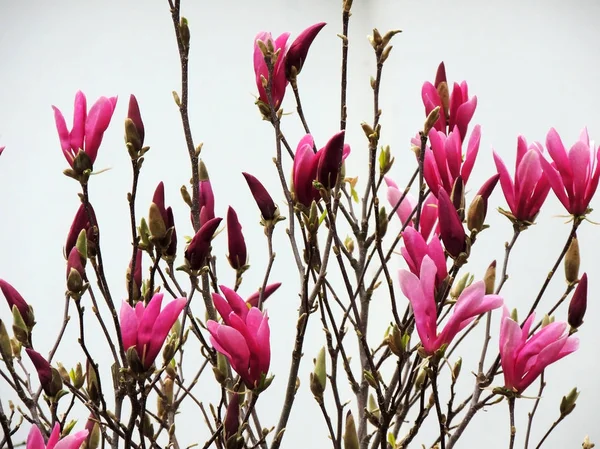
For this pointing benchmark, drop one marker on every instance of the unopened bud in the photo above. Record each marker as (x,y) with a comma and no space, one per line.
(395,341)
(459,286)
(147,427)
(489,279)
(420,379)
(77,377)
(457,196)
(184,31)
(383,223)
(476,214)
(456,369)
(92,388)
(547,319)
(20,329)
(572,260)
(220,370)
(64,374)
(186,196)
(568,403)
(385,160)
(318,378)
(431,120)
(578,304)
(350,435)
(373,407)
(144,233)
(156,224)
(5,349)
(349,244)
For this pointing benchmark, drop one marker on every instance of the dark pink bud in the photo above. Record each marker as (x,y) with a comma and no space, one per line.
(172,249)
(75,261)
(261,196)
(206,198)
(235,239)
(296,55)
(14,299)
(199,247)
(452,232)
(486,190)
(159,200)
(81,221)
(330,161)
(134,114)
(269,290)
(232,417)
(43,368)
(578,303)
(440,76)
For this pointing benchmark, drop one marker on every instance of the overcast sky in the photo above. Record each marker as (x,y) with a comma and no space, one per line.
(533,65)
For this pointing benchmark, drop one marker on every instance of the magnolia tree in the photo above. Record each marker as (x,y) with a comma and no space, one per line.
(342,252)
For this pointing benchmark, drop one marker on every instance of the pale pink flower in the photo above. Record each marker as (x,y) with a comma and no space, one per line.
(420,291)
(524,358)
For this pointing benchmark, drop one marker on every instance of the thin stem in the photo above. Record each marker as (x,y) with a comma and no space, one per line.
(533,410)
(438,408)
(513,430)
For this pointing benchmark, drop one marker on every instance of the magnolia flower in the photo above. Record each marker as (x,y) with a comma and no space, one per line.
(416,248)
(35,440)
(296,55)
(145,328)
(456,109)
(134,134)
(429,212)
(444,162)
(530,188)
(524,358)
(420,291)
(574,175)
(88,128)
(321,166)
(279,81)
(244,337)
(80,221)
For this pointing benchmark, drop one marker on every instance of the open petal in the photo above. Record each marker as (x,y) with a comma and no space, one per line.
(161,328)
(72,441)
(238,305)
(506,182)
(471,155)
(129,325)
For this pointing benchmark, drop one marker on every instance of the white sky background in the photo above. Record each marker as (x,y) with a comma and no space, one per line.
(531,65)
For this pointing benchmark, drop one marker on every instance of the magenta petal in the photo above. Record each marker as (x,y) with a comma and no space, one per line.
(506,182)
(79,119)
(161,328)
(472,150)
(579,160)
(222,307)
(96,123)
(464,115)
(296,55)
(35,440)
(146,322)
(72,441)
(229,342)
(237,304)
(556,183)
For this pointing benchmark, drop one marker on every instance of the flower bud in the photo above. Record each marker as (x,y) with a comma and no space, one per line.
(156,224)
(350,435)
(77,377)
(184,32)
(459,286)
(75,272)
(318,378)
(144,233)
(252,300)
(330,161)
(20,330)
(264,201)
(92,387)
(451,228)
(476,214)
(568,403)
(134,130)
(456,369)
(457,196)
(64,374)
(237,257)
(199,247)
(489,278)
(349,244)
(431,120)
(171,251)
(396,341)
(206,197)
(385,160)
(137,276)
(296,55)
(220,370)
(14,299)
(572,260)
(383,223)
(93,428)
(80,221)
(232,417)
(49,377)
(441,85)
(5,349)
(578,303)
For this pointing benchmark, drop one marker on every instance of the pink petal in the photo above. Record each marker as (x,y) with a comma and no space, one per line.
(96,123)
(238,305)
(146,323)
(163,324)
(579,160)
(472,150)
(73,441)
(556,182)
(129,325)
(464,115)
(431,173)
(79,118)
(222,307)
(528,173)
(506,182)
(557,152)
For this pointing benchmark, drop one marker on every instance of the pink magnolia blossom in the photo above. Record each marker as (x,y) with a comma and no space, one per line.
(420,291)
(443,159)
(524,358)
(573,175)
(261,71)
(244,336)
(416,248)
(80,221)
(457,110)
(530,188)
(429,213)
(263,199)
(146,327)
(322,166)
(88,127)
(238,255)
(35,440)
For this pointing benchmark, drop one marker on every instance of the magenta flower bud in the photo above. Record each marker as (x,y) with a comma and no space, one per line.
(88,127)
(304,171)
(14,299)
(232,417)
(574,175)
(171,251)
(235,240)
(133,113)
(261,196)
(523,358)
(269,290)
(147,327)
(261,71)
(452,232)
(440,75)
(526,195)
(35,440)
(487,188)
(330,161)
(296,55)
(159,200)
(199,247)
(75,261)
(43,368)
(578,303)
(80,221)
(206,199)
